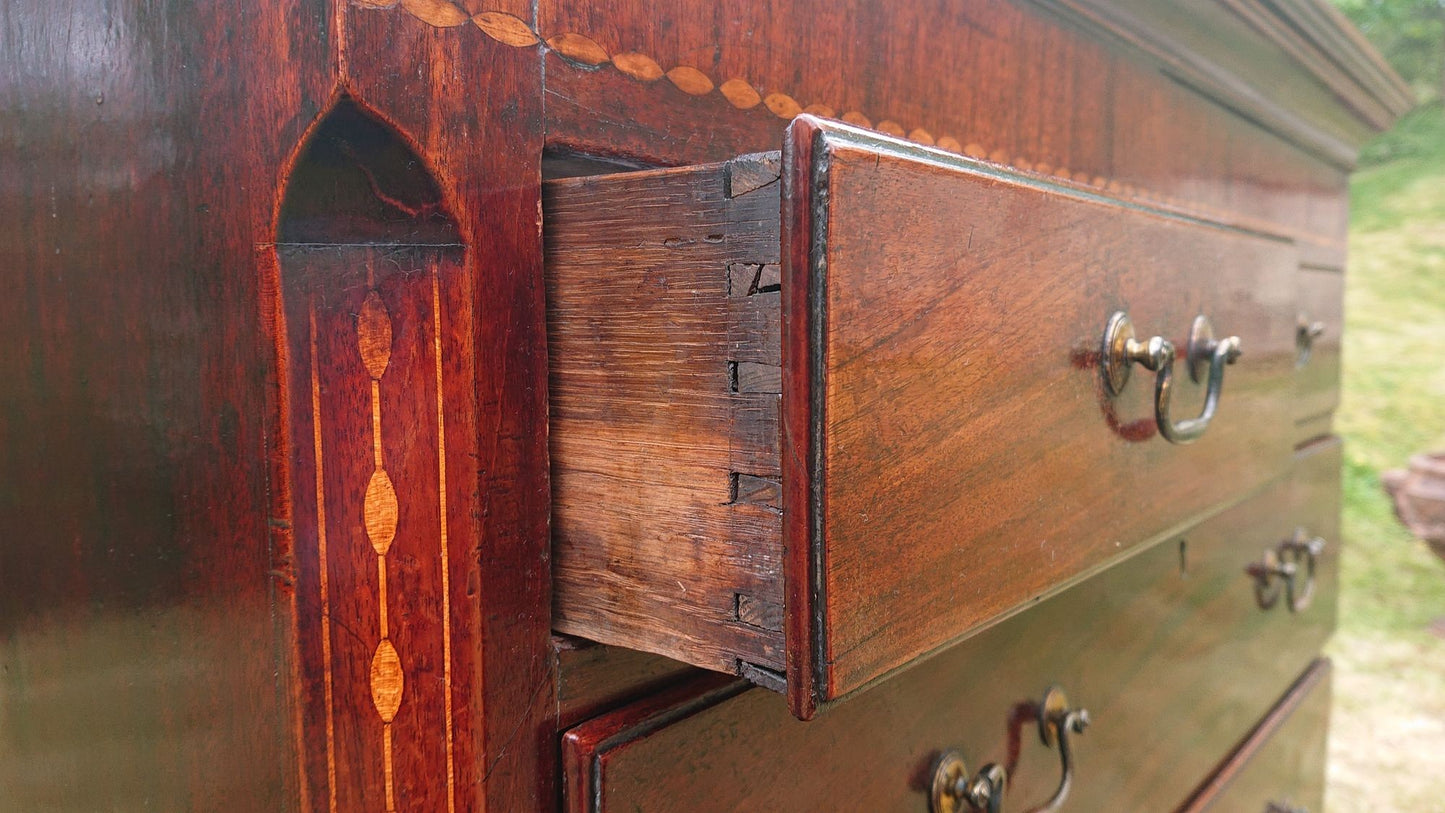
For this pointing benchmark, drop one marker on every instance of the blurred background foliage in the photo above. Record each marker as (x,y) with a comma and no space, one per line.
(1387,736)
(1410,34)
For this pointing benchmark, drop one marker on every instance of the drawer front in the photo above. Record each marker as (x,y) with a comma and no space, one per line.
(1317,356)
(1170,652)
(950,450)
(1280,767)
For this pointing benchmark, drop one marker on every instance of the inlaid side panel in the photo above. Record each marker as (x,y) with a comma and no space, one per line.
(374,332)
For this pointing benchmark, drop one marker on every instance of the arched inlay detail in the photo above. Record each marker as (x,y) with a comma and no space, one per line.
(370,267)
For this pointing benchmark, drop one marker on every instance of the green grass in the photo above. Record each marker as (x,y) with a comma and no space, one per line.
(1387,744)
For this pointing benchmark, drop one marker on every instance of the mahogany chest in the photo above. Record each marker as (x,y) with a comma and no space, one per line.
(461,405)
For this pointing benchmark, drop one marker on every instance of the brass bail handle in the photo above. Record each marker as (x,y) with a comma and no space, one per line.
(1058,723)
(1206,355)
(1280,570)
(955,792)
(1305,333)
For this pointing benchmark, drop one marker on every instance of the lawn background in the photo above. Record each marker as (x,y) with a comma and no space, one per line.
(1387,740)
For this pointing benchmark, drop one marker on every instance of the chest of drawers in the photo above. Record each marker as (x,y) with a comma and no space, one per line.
(449,405)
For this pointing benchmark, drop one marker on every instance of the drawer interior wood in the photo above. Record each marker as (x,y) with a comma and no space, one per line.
(815,417)
(1147,647)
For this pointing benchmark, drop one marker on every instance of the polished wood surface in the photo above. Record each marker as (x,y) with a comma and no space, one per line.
(139,588)
(170,209)
(1147,647)
(1019,83)
(1282,762)
(167,640)
(1317,373)
(962,453)
(664,393)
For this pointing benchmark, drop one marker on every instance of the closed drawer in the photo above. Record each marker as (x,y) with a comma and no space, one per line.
(1317,352)
(815,417)
(1170,652)
(1280,766)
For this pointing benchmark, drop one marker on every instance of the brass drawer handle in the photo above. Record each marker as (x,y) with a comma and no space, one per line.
(1057,723)
(1305,334)
(1122,350)
(1280,571)
(954,792)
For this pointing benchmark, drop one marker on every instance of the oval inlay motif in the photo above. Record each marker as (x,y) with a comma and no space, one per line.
(740,94)
(373,332)
(578,48)
(437,13)
(690,80)
(639,66)
(386,680)
(506,29)
(783,105)
(379,512)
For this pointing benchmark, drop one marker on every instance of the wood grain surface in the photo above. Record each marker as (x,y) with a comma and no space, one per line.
(964,457)
(1022,83)
(1169,652)
(1282,761)
(1317,375)
(161,569)
(666,518)
(139,587)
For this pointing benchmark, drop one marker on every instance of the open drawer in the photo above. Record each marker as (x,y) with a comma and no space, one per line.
(818,415)
(1176,655)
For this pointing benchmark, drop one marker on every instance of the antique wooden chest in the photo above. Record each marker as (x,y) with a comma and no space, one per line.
(438,405)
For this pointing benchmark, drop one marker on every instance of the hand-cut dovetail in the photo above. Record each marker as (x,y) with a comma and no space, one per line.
(858,119)
(949,143)
(783,105)
(578,48)
(743,278)
(373,333)
(921,136)
(639,66)
(750,376)
(506,29)
(439,13)
(740,94)
(387,681)
(379,512)
(747,488)
(821,110)
(690,80)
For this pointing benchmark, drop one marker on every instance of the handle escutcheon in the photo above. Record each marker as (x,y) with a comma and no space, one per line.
(1058,722)
(1305,334)
(1206,356)
(955,792)
(1288,570)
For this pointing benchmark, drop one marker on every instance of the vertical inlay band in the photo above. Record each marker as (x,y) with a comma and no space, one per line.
(436,306)
(373,335)
(321,556)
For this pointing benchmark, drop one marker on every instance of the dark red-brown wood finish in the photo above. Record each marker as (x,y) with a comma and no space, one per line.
(274,472)
(220,227)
